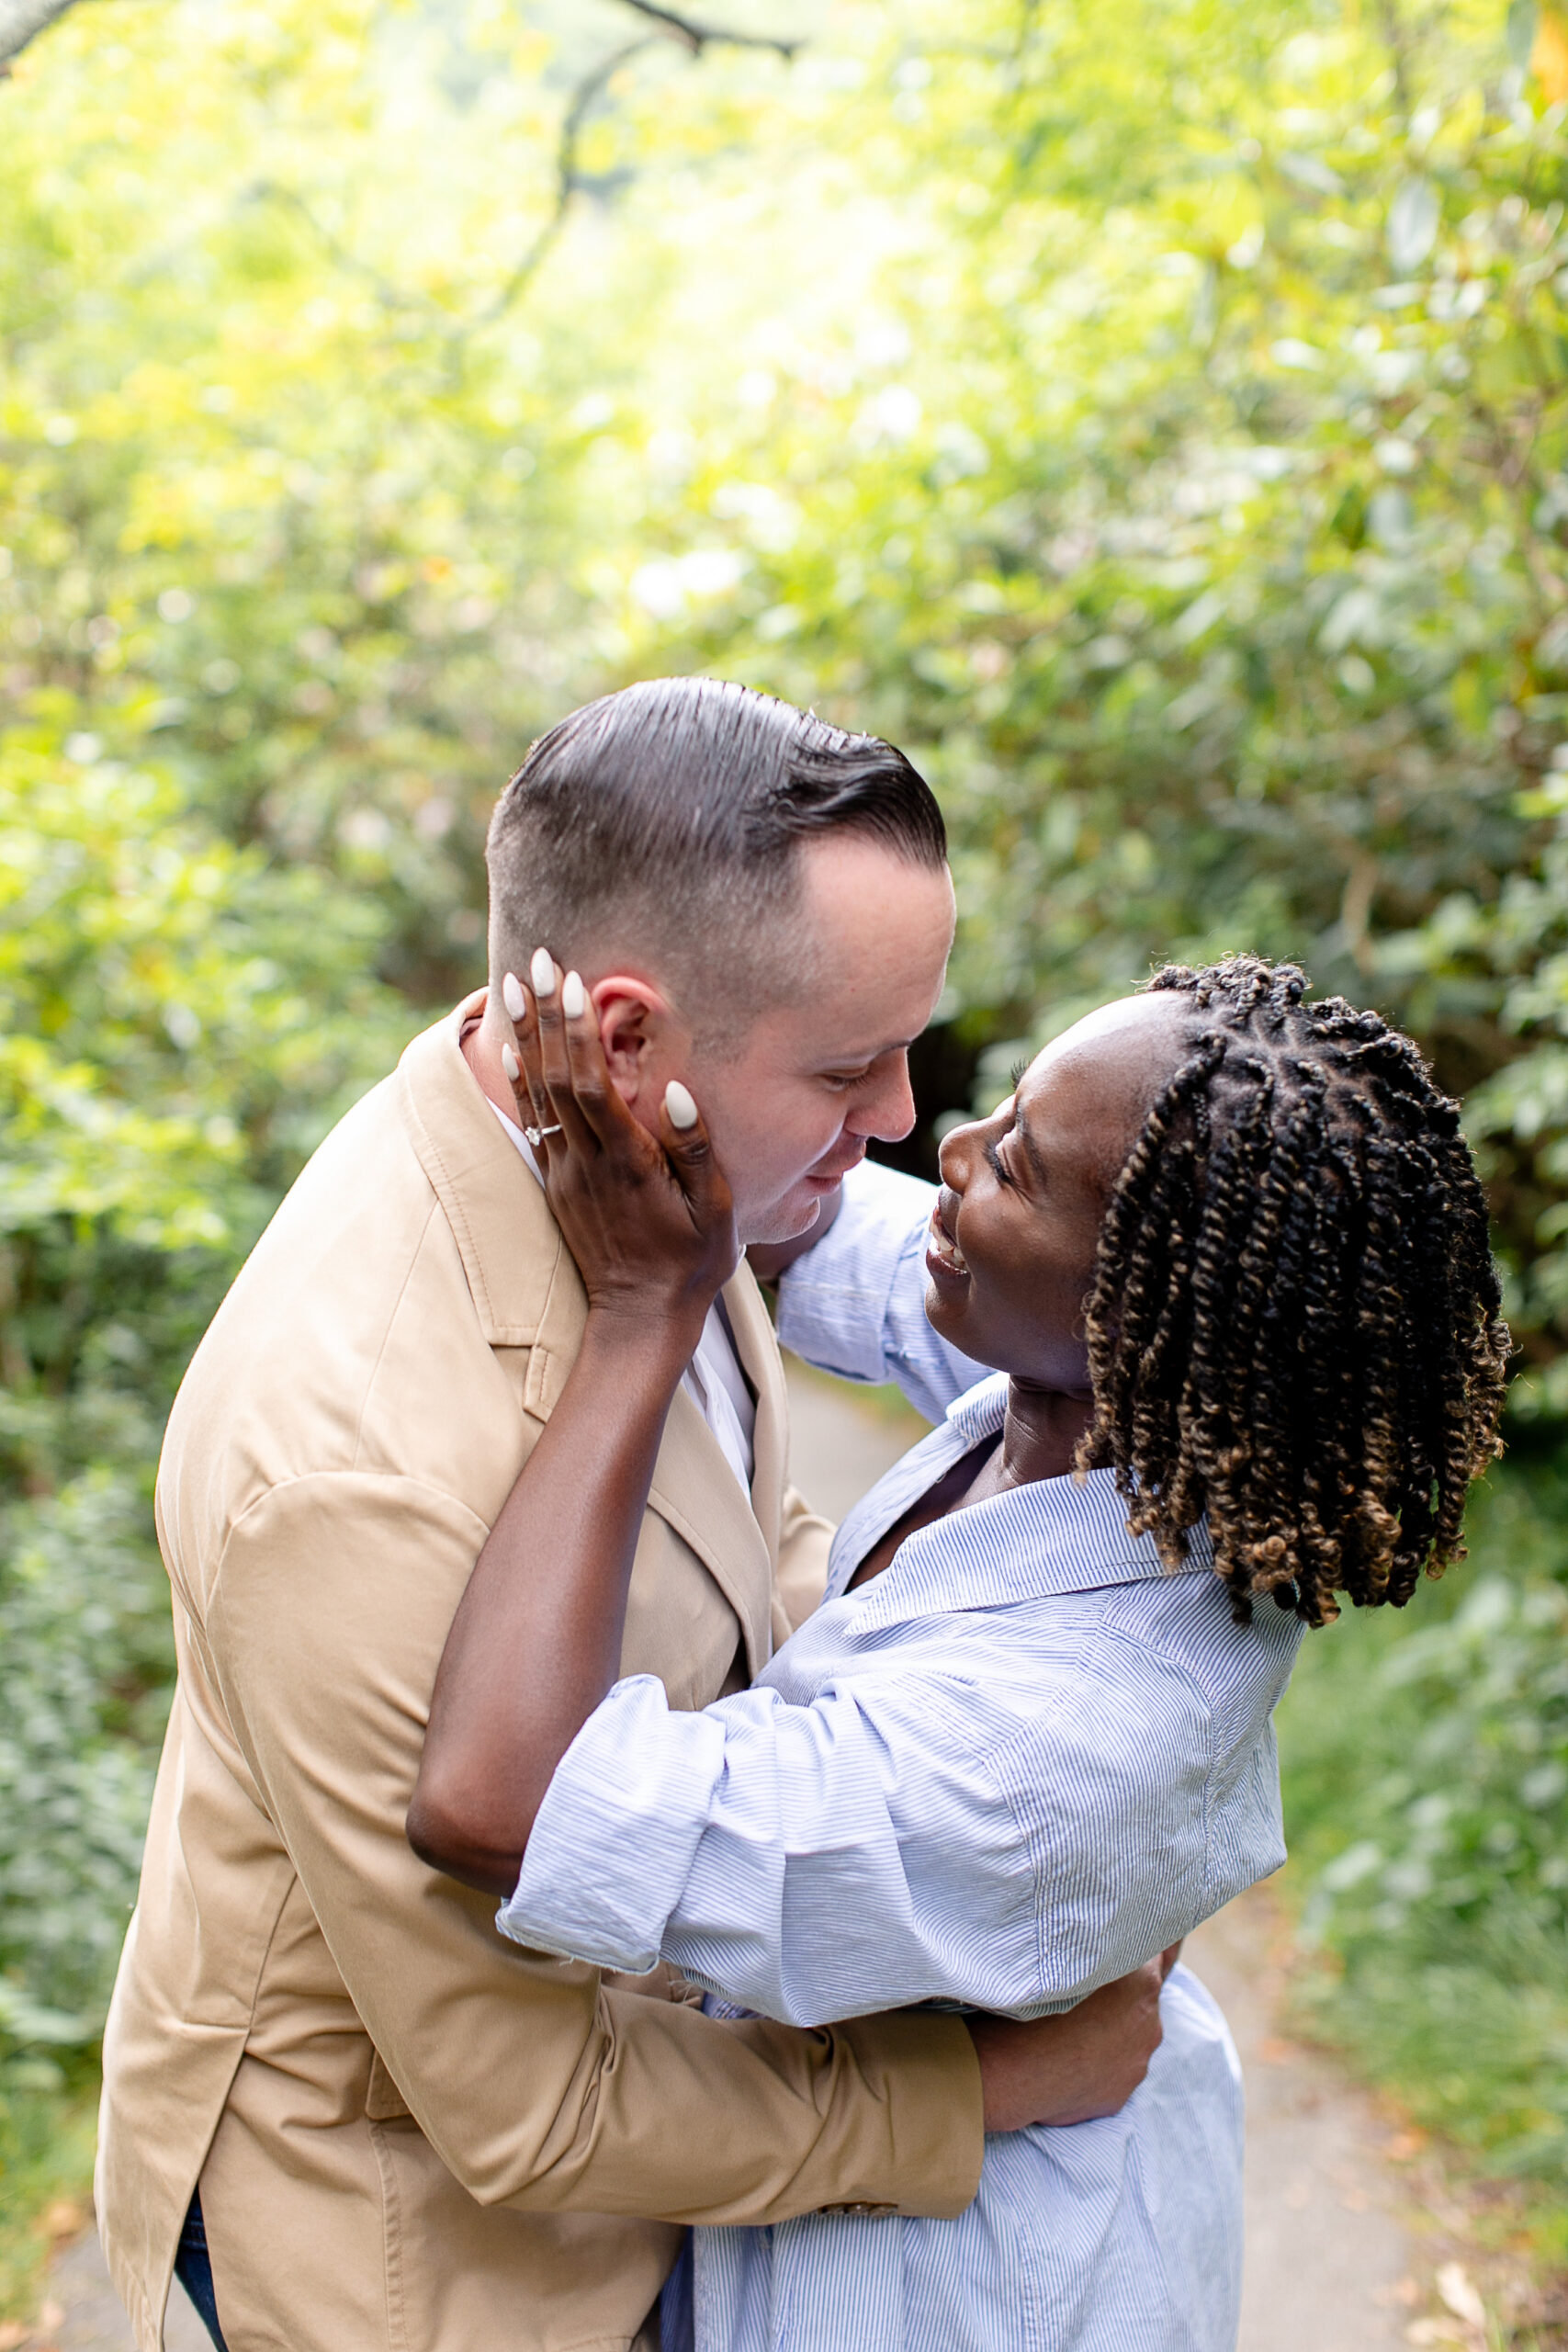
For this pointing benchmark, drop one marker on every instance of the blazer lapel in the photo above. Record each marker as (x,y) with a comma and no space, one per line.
(525,1287)
(528,1295)
(697,1493)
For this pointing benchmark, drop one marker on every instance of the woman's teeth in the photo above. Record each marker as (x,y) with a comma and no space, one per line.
(945,1249)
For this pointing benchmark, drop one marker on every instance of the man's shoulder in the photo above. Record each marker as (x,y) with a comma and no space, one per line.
(319,1291)
(356,1336)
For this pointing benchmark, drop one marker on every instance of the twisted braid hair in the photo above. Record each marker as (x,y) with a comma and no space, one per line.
(1294,1323)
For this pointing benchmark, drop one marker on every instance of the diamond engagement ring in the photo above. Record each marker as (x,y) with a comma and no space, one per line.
(535,1137)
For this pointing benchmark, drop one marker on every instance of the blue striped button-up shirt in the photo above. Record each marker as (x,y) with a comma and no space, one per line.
(1013,1766)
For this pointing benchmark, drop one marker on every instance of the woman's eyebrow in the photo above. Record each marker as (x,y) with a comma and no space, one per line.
(1032,1150)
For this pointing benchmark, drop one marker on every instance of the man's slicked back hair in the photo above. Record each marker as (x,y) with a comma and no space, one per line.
(672,814)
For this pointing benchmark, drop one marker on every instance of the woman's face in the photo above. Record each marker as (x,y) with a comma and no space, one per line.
(1011,1248)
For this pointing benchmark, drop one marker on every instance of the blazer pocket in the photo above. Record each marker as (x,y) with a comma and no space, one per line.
(384,2102)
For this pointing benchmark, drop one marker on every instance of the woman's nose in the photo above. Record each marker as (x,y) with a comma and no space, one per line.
(955,1154)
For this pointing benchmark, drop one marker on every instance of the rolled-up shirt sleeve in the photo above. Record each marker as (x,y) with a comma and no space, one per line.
(855,1304)
(899,1839)
(812,1862)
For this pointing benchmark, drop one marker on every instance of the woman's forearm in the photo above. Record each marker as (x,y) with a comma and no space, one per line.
(536,1640)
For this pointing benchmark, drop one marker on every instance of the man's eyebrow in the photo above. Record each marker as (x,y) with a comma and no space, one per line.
(871,1053)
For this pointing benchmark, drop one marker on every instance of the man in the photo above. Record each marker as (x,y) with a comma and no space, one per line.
(405,2133)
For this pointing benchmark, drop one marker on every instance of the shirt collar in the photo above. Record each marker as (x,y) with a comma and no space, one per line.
(514,1135)
(1057,1535)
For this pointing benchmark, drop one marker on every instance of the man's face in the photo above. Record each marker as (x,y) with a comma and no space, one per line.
(816,1079)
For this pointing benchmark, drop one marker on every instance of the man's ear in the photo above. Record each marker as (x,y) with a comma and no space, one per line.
(633,1016)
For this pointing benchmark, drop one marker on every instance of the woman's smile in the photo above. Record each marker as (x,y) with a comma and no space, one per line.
(944,1260)
(1010,1249)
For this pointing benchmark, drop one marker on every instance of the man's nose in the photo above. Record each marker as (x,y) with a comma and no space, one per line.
(887,1110)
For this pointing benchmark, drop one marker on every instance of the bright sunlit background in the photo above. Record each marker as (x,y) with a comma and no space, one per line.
(1150,414)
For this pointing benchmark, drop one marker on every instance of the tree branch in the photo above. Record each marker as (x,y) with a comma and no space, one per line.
(1398,41)
(691,34)
(696,37)
(568,181)
(569,178)
(392,297)
(20,20)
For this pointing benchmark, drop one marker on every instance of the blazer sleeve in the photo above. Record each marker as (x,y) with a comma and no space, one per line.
(536,2085)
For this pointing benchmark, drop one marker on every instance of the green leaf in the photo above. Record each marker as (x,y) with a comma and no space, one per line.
(1522,20)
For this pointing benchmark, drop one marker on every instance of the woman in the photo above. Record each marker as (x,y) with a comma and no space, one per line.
(1228,1254)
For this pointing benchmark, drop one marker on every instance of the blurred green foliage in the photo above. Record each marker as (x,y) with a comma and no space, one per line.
(179,1021)
(1153,417)
(1427,1791)
(1195,502)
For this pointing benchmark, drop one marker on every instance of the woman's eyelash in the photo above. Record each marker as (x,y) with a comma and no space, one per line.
(1020,1071)
(993,1160)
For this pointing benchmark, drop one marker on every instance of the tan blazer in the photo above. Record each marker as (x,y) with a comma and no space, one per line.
(408,2134)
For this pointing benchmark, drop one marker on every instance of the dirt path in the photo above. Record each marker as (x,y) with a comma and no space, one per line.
(1330,2265)
(1330,2268)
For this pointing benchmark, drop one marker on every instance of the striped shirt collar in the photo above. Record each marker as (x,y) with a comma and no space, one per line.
(1055,1535)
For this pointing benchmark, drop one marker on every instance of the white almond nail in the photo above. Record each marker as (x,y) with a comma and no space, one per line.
(573,996)
(511,1065)
(542,972)
(512,997)
(682,1108)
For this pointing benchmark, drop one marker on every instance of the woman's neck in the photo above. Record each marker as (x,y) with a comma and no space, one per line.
(1040,1437)
(1042,1429)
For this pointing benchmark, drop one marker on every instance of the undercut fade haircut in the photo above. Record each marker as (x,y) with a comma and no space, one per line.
(1294,1326)
(672,815)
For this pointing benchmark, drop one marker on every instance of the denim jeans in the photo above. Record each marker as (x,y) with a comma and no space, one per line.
(192,2268)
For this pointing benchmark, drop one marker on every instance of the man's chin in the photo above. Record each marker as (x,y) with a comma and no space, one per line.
(787,1219)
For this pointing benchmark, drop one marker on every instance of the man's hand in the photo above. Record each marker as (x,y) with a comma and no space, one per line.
(1070,2068)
